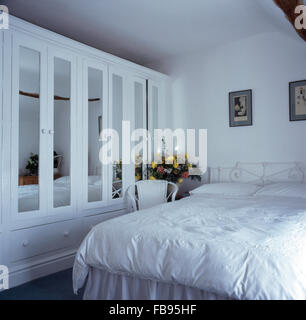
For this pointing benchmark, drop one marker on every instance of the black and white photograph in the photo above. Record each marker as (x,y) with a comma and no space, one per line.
(240,108)
(297,94)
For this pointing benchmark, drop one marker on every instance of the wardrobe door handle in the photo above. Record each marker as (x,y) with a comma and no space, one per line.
(51,131)
(43,131)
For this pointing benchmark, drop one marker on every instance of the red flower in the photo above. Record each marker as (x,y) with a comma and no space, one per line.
(160,169)
(185,175)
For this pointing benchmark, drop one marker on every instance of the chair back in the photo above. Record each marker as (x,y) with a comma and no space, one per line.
(146,193)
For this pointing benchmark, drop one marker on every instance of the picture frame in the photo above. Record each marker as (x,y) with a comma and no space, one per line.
(297,100)
(240,108)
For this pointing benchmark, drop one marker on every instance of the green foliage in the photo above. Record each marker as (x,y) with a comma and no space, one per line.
(168,170)
(33,164)
(171,170)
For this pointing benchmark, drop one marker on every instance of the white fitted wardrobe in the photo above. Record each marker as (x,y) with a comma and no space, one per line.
(56,96)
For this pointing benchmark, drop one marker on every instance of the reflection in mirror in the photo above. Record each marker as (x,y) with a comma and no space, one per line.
(154,111)
(117,112)
(153,114)
(95,107)
(62,130)
(29,129)
(139,124)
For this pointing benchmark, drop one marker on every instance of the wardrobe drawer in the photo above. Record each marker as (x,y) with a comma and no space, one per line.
(35,241)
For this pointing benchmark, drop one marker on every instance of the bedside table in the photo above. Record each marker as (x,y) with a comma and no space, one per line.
(26,180)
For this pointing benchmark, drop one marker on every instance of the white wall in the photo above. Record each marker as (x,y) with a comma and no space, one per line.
(266,64)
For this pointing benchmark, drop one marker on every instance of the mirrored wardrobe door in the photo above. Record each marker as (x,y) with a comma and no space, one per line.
(154,97)
(153,112)
(140,124)
(62,130)
(29,127)
(117,105)
(94,120)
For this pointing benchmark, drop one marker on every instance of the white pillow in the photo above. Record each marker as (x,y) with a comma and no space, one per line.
(227,189)
(93,179)
(284,189)
(63,180)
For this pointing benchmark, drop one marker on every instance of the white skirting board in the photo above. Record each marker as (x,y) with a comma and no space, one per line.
(41,269)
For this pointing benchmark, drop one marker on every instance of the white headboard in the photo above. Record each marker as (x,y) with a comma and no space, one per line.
(259,173)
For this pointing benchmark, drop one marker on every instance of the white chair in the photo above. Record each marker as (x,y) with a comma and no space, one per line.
(146,193)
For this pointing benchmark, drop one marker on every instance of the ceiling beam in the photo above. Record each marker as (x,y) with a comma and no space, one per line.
(288,7)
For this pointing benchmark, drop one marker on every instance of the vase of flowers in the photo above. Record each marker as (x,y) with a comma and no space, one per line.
(138,167)
(171,170)
(117,171)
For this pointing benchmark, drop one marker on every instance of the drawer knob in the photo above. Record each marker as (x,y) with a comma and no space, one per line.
(66,234)
(25,243)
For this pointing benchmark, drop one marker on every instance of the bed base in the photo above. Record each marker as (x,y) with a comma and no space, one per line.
(103,285)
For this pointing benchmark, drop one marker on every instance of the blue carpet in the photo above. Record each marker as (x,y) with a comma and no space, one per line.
(57,286)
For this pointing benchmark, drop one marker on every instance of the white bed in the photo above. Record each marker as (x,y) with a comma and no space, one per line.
(231,241)
(28,195)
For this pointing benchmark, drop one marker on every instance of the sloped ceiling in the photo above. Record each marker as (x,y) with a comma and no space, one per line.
(148,31)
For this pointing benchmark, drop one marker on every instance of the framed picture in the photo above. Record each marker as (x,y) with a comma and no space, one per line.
(297,100)
(240,108)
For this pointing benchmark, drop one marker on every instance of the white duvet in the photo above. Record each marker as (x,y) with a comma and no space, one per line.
(238,247)
(28,196)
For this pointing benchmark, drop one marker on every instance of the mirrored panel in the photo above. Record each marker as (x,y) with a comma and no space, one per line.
(153,119)
(117,117)
(29,129)
(140,123)
(62,133)
(154,111)
(95,121)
